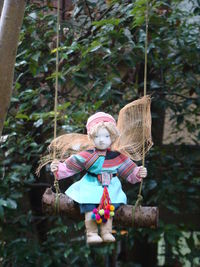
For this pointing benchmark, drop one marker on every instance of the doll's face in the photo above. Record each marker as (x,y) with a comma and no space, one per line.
(102,139)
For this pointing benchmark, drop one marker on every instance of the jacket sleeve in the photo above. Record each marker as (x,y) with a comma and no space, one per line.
(74,164)
(129,171)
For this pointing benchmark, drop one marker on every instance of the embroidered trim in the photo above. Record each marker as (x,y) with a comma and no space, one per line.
(91,160)
(93,157)
(100,175)
(108,163)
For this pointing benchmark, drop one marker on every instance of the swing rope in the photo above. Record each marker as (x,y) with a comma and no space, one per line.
(56,184)
(145,89)
(139,196)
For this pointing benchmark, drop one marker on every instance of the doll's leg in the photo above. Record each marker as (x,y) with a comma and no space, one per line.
(91,230)
(106,230)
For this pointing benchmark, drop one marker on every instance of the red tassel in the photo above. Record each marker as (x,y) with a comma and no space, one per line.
(105,199)
(104,205)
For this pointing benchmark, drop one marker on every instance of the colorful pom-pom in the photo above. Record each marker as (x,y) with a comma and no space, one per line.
(108,207)
(101,212)
(106,212)
(112,208)
(107,216)
(104,220)
(95,211)
(93,216)
(99,221)
(112,213)
(98,217)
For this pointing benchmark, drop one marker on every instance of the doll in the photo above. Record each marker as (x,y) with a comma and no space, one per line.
(99,192)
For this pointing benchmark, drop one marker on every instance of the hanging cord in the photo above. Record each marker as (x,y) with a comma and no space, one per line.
(145,91)
(56,184)
(140,197)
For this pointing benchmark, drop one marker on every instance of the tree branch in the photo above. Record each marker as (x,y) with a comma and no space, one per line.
(124,215)
(90,28)
(90,15)
(176,94)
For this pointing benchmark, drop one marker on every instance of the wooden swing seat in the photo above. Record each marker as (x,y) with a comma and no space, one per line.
(125,215)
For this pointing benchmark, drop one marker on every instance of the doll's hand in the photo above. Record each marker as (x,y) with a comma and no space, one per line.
(54,165)
(142,172)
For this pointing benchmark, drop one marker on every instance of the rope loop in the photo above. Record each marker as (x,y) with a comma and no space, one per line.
(137,204)
(139,200)
(57,203)
(57,197)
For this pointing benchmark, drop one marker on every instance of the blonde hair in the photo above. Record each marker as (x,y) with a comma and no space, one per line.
(109,126)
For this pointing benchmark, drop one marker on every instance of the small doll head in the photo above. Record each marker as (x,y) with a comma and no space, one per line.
(102,130)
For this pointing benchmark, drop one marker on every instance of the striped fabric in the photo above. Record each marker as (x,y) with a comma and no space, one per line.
(91,160)
(113,163)
(74,164)
(109,163)
(126,168)
(85,159)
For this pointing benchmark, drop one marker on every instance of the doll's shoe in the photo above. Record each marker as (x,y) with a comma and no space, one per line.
(108,237)
(106,230)
(92,236)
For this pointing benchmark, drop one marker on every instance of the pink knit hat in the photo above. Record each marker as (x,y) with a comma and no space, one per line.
(97,118)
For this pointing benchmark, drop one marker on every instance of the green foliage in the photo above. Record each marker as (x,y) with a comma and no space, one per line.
(101,68)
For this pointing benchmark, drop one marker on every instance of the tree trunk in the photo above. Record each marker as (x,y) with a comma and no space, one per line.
(1,6)
(143,216)
(10,25)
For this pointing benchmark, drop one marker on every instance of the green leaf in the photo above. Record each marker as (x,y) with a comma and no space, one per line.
(59,49)
(20,63)
(53,76)
(103,22)
(8,203)
(36,56)
(3,202)
(22,116)
(11,204)
(95,45)
(155,84)
(17,85)
(59,229)
(106,89)
(33,15)
(64,106)
(38,123)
